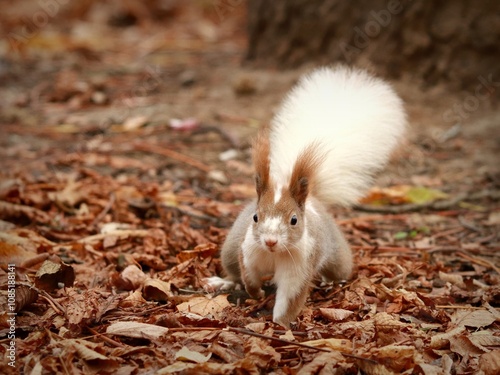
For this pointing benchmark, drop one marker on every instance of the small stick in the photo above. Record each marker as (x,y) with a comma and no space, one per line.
(106,209)
(106,338)
(146,147)
(457,307)
(480,261)
(283,341)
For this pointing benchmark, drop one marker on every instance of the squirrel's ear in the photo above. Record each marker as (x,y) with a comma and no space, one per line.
(299,189)
(261,161)
(303,173)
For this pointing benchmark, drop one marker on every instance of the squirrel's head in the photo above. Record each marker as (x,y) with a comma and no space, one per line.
(279,221)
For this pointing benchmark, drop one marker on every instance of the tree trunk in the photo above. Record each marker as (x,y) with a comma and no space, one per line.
(453,41)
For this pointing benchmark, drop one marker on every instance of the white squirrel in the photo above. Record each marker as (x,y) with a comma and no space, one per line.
(335,129)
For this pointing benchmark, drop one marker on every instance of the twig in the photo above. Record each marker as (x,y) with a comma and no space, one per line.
(468,225)
(147,147)
(480,261)
(283,341)
(55,305)
(106,209)
(458,307)
(434,205)
(106,338)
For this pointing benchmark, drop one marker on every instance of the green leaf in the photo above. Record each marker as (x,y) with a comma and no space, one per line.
(420,195)
(400,235)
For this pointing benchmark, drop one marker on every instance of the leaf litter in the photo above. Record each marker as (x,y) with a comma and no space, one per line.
(113,226)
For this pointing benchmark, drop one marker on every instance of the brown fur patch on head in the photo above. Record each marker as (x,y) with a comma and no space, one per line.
(304,171)
(261,161)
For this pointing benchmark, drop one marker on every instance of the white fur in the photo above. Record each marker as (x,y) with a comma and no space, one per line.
(271,224)
(278,191)
(358,120)
(217,283)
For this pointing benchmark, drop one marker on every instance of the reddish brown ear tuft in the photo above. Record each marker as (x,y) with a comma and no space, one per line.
(303,173)
(261,160)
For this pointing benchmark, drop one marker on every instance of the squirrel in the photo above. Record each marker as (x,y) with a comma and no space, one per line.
(334,130)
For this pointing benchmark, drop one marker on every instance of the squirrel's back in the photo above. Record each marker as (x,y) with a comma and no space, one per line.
(356,121)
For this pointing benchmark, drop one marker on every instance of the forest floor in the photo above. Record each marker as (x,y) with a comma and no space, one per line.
(124,161)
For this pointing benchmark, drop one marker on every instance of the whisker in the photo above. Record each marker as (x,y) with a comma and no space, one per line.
(291,255)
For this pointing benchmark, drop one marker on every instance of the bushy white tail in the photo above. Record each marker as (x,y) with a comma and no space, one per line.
(356,119)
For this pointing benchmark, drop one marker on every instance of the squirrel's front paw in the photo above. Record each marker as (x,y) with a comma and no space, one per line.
(255,292)
(283,321)
(215,283)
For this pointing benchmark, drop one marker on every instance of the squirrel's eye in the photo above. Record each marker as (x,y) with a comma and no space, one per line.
(255,218)
(293,221)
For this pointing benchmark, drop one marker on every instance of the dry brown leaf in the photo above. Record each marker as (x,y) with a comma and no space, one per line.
(335,344)
(157,290)
(20,245)
(323,363)
(70,196)
(228,346)
(17,210)
(446,366)
(208,368)
(489,363)
(335,315)
(137,330)
(133,276)
(261,353)
(50,275)
(204,306)
(201,251)
(84,348)
(25,296)
(483,339)
(13,254)
(453,279)
(133,299)
(398,357)
(442,339)
(462,345)
(258,327)
(185,354)
(473,318)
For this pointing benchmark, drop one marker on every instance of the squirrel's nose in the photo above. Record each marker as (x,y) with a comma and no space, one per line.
(271,242)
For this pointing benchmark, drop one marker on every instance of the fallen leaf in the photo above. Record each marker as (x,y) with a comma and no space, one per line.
(25,296)
(201,251)
(474,318)
(454,279)
(323,363)
(157,290)
(137,330)
(489,363)
(204,306)
(185,354)
(335,344)
(133,276)
(335,315)
(443,339)
(50,275)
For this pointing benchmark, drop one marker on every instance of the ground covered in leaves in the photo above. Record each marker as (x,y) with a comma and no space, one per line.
(124,160)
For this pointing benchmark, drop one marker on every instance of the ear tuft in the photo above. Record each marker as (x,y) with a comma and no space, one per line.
(261,160)
(303,173)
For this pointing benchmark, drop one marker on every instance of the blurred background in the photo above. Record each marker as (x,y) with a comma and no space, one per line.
(91,67)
